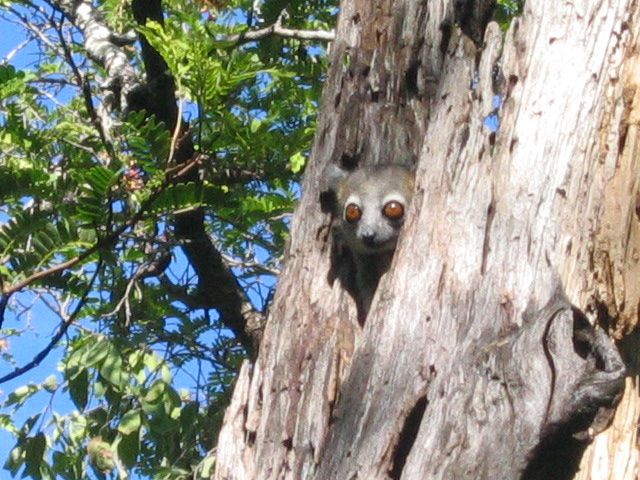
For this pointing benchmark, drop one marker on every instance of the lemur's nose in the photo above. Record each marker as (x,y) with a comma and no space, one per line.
(369,239)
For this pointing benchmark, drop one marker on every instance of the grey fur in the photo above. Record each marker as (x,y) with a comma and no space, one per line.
(372,239)
(370,188)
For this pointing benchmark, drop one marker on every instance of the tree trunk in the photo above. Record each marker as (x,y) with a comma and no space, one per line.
(478,358)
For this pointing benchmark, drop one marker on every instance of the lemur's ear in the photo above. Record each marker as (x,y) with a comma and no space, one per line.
(333,177)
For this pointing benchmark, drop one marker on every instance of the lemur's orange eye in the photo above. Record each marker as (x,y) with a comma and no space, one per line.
(393,210)
(352,213)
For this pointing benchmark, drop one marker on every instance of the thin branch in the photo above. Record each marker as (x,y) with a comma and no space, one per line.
(182,294)
(103,46)
(280,31)
(124,301)
(62,49)
(152,268)
(246,234)
(7,58)
(3,306)
(176,133)
(85,87)
(250,265)
(106,241)
(61,82)
(36,30)
(51,98)
(281,216)
(79,146)
(56,338)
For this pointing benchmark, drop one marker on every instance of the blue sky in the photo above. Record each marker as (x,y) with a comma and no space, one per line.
(37,324)
(40,323)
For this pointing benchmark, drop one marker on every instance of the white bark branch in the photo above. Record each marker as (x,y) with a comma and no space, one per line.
(121,77)
(279,30)
(275,29)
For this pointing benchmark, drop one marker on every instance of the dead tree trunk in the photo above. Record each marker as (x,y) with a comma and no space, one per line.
(478,358)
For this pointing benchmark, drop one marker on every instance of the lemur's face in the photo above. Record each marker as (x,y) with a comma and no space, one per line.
(373,202)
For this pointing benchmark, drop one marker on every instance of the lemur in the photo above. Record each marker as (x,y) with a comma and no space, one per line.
(368,209)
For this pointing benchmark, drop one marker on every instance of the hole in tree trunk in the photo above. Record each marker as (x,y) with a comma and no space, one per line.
(557,457)
(407,437)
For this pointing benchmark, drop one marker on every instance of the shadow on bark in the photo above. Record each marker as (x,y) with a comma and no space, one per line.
(584,394)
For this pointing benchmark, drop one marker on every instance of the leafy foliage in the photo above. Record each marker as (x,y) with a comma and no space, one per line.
(88,245)
(506,10)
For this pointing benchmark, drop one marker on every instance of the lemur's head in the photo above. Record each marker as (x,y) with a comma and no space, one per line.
(370,205)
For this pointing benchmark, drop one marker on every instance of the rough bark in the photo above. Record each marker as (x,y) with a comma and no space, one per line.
(478,358)
(613,287)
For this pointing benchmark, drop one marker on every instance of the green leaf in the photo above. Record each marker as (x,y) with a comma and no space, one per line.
(187,196)
(87,352)
(50,384)
(21,395)
(95,185)
(152,401)
(130,422)
(79,389)
(34,448)
(111,369)
(28,424)
(6,423)
(297,162)
(15,460)
(128,448)
(77,428)
(208,466)
(255,125)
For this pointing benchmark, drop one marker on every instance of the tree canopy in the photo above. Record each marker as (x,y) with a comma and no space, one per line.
(150,157)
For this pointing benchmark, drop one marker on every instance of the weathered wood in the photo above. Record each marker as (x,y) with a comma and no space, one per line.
(476,359)
(614,454)
(612,290)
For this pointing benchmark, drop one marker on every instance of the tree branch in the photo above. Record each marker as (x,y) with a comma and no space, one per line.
(102,243)
(100,45)
(56,338)
(102,125)
(278,30)
(217,285)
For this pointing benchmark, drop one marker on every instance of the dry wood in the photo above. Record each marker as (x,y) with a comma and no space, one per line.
(478,358)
